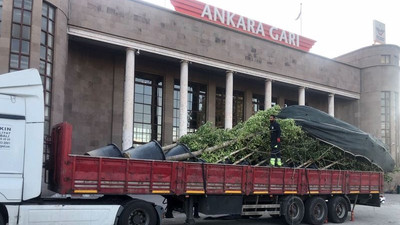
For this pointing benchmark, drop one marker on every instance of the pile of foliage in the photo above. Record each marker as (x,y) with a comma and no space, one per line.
(252,145)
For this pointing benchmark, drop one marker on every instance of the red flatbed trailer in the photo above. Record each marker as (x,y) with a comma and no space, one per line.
(259,189)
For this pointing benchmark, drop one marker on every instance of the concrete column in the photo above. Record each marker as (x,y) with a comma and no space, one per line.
(129,85)
(302,95)
(211,95)
(168,109)
(60,61)
(331,104)
(248,104)
(228,100)
(183,117)
(118,99)
(268,94)
(281,101)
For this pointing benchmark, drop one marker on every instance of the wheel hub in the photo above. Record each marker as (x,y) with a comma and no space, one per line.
(293,210)
(137,218)
(339,210)
(318,211)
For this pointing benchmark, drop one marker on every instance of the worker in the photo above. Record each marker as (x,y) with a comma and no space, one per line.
(275,131)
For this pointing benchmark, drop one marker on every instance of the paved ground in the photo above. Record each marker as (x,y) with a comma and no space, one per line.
(389,213)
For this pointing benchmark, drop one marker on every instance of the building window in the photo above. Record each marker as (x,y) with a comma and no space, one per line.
(385,59)
(385,117)
(1,13)
(258,103)
(20,34)
(197,101)
(238,108)
(147,121)
(46,59)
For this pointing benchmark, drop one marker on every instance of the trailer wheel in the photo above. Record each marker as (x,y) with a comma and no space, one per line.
(292,210)
(138,213)
(337,209)
(275,216)
(316,211)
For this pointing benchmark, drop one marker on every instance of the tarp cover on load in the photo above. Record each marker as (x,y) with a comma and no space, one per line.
(340,134)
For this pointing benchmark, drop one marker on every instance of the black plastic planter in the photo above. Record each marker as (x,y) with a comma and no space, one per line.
(177,150)
(151,150)
(111,150)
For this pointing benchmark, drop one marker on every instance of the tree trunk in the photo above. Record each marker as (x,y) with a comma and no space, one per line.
(185,156)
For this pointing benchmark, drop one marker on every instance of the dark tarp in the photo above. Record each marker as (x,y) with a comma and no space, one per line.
(340,134)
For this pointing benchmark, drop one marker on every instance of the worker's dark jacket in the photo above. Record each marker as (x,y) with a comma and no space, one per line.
(275,130)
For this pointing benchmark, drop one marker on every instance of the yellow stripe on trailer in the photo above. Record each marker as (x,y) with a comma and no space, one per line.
(85,191)
(233,192)
(194,192)
(374,192)
(160,191)
(337,192)
(290,192)
(260,192)
(313,192)
(354,192)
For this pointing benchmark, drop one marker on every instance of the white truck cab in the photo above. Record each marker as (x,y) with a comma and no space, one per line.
(21,128)
(21,161)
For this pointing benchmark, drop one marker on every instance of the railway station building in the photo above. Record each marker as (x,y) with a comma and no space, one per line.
(128,72)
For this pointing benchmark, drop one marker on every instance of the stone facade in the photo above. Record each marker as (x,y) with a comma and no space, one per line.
(91,38)
(139,22)
(379,72)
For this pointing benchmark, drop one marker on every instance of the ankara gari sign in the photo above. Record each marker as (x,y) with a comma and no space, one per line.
(240,23)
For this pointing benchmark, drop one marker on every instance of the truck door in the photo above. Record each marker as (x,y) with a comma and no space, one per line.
(12,142)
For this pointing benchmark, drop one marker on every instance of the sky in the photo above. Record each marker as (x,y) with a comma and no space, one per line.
(337,26)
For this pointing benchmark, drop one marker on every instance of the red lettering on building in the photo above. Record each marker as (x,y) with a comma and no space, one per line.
(231,20)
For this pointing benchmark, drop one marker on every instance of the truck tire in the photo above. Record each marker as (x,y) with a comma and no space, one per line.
(292,210)
(337,209)
(138,213)
(316,211)
(276,216)
(2,222)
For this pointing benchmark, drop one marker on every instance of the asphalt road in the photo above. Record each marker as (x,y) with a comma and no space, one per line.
(388,213)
